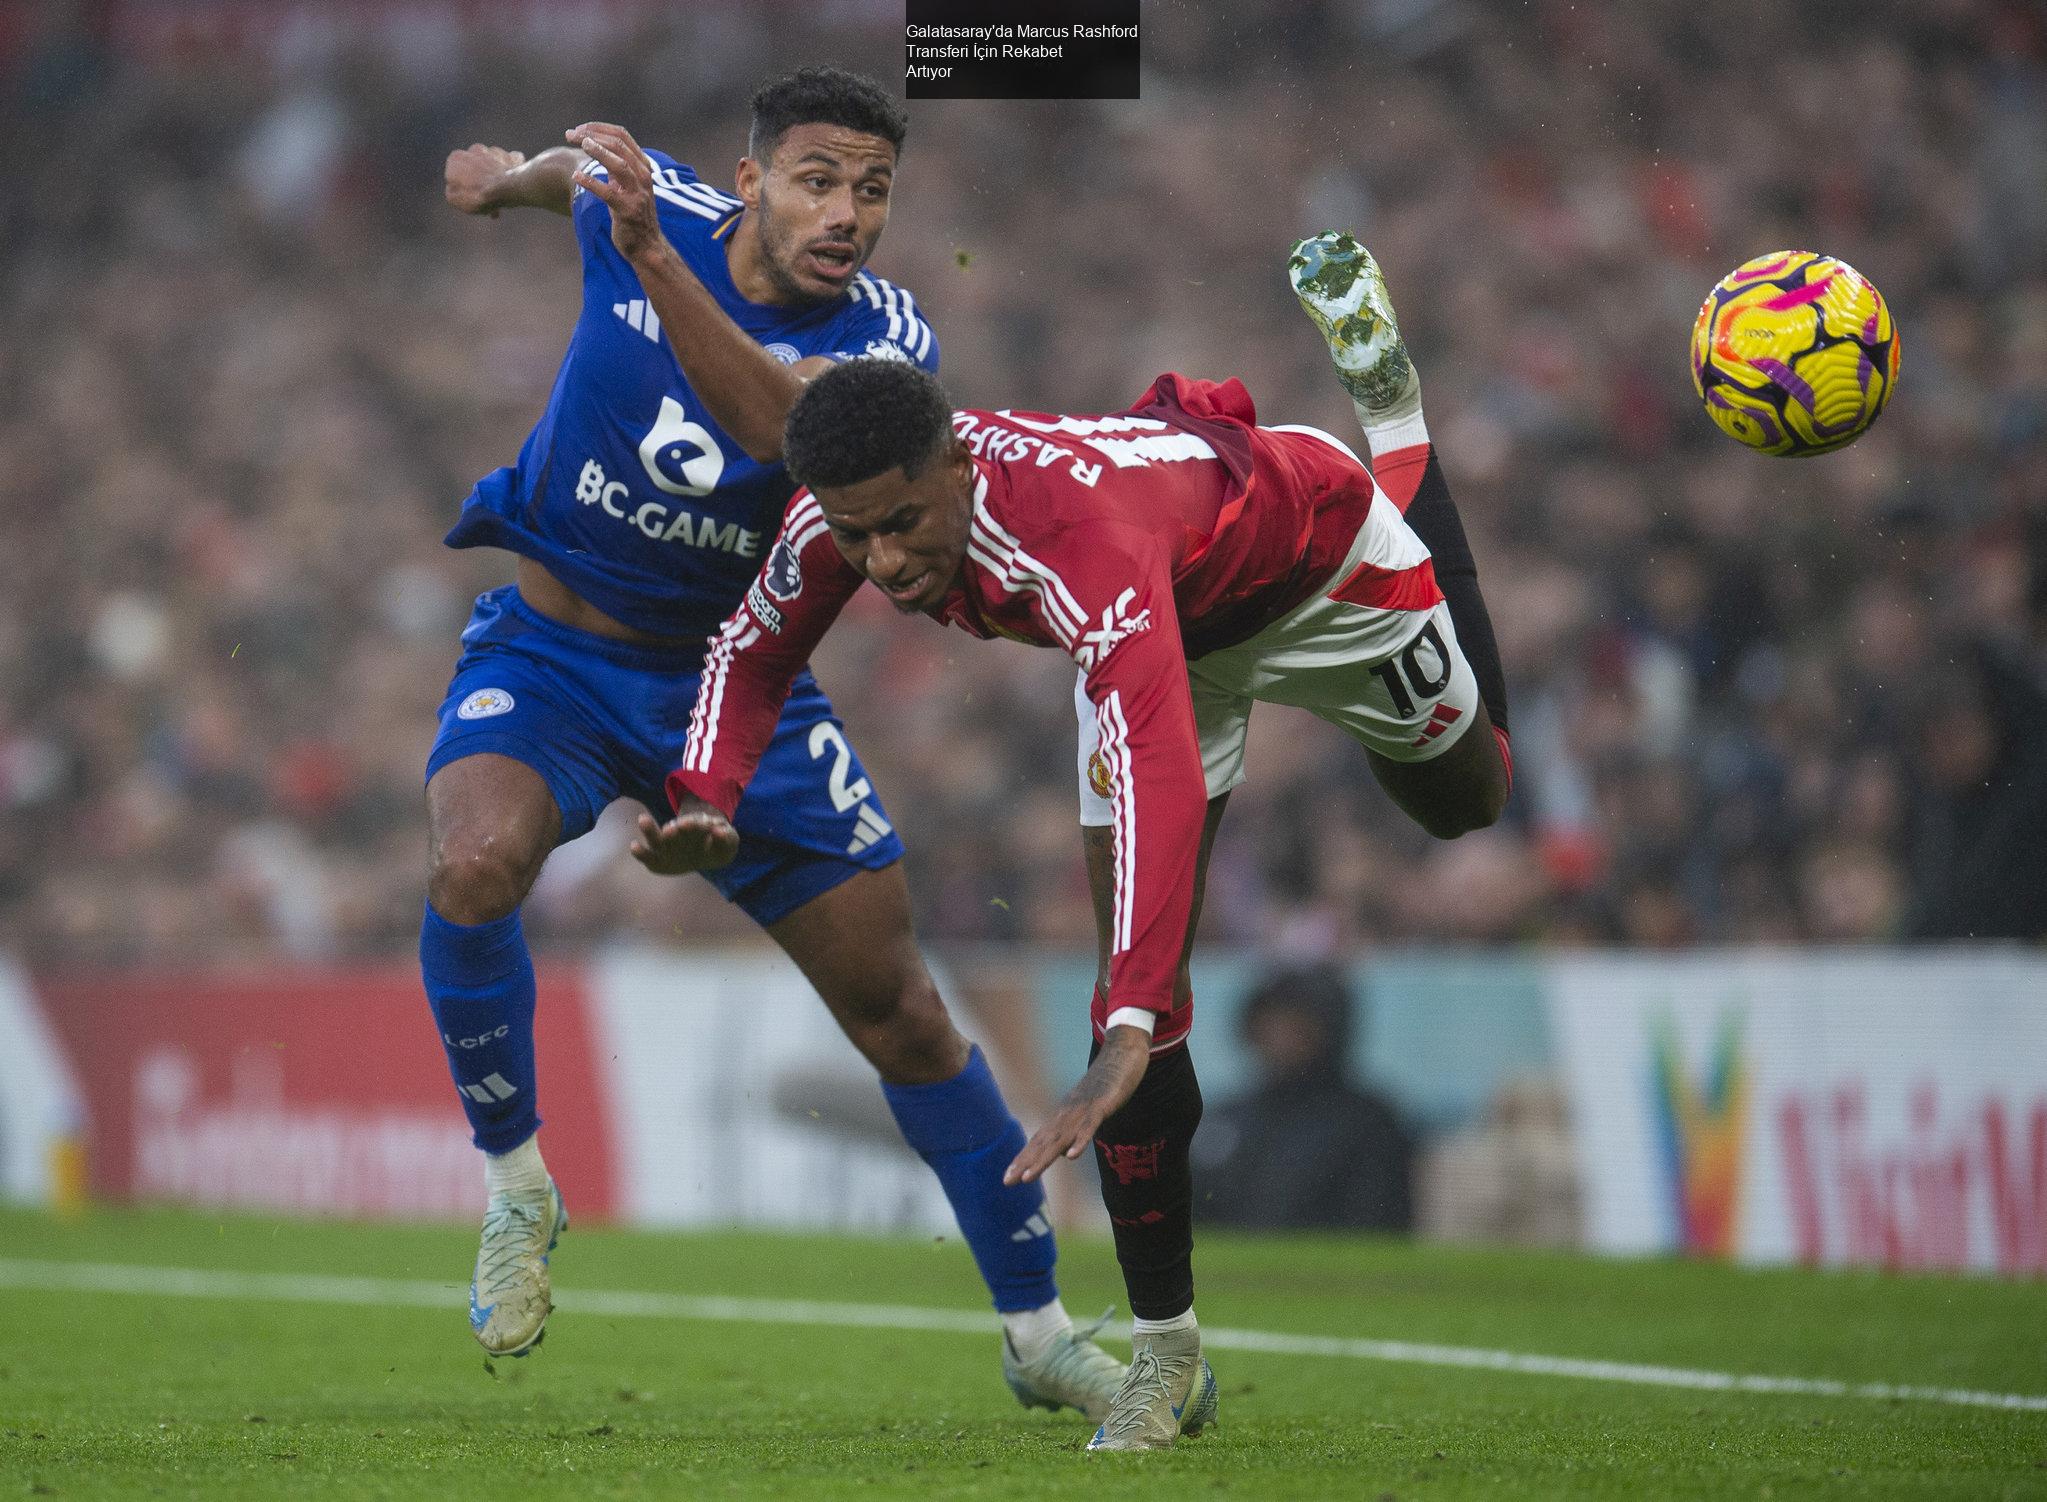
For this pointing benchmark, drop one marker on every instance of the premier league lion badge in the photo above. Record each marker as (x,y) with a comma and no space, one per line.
(784,574)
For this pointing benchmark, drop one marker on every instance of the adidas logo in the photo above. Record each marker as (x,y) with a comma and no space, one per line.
(872,827)
(495,1087)
(641,315)
(1441,718)
(1033,1228)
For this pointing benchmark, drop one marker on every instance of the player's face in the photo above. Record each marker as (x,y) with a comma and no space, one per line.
(820,202)
(909,537)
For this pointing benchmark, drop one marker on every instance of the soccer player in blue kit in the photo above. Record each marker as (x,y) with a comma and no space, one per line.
(639,510)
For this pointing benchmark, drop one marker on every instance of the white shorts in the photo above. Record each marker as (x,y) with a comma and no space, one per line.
(1394,680)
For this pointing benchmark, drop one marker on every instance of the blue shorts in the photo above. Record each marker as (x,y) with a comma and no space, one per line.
(600,720)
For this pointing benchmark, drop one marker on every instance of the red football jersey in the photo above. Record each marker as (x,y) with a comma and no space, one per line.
(1132,542)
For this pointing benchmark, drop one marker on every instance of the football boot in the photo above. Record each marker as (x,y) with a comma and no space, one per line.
(509,1298)
(1341,287)
(1073,1372)
(1170,1391)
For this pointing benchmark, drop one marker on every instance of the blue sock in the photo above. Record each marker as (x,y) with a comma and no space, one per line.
(479,980)
(963,1129)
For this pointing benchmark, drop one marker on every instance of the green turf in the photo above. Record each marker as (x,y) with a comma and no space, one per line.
(121,1395)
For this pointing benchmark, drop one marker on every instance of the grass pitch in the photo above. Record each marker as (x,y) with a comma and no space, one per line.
(158,1395)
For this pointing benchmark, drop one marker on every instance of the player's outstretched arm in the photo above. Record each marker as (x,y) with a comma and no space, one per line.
(1108,1083)
(482,179)
(746,389)
(752,661)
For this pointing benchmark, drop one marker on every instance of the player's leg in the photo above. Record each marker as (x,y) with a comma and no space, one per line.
(855,944)
(492,822)
(510,775)
(1344,293)
(1397,682)
(1144,1150)
(1462,790)
(820,869)
(1452,778)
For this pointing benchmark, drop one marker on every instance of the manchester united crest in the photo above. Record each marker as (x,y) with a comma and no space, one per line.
(1098,774)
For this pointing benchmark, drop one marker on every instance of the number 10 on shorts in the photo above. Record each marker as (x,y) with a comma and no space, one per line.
(1406,677)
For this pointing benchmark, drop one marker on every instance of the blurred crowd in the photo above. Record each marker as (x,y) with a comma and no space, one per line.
(252,363)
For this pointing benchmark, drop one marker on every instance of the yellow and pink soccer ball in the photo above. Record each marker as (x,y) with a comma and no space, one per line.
(1794,353)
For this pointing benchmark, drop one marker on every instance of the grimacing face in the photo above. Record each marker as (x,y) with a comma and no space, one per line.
(820,203)
(907,537)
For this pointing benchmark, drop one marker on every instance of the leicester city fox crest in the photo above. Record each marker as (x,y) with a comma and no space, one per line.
(784,575)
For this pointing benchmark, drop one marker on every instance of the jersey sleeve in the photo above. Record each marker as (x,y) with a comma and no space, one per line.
(883,322)
(1115,605)
(687,207)
(757,654)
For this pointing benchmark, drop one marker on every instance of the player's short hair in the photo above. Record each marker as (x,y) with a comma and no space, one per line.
(863,418)
(823,96)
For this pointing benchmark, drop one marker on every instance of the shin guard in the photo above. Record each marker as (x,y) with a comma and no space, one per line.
(1149,1188)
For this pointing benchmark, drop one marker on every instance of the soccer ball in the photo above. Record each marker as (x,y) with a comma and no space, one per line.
(1794,353)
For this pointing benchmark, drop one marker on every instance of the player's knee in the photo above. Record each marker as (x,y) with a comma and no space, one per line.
(1467,815)
(476,880)
(905,1030)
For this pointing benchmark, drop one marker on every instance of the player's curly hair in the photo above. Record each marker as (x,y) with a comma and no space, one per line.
(863,418)
(823,96)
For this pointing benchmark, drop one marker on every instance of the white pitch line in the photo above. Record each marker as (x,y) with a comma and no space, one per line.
(314,1288)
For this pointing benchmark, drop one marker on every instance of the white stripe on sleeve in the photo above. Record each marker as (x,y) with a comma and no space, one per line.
(1122,815)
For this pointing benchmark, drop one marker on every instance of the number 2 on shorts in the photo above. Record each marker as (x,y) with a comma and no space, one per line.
(844,796)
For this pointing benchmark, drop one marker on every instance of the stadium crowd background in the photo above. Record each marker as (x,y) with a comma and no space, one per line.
(252,363)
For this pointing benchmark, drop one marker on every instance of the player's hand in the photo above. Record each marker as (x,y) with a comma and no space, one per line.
(1108,1083)
(627,189)
(698,838)
(473,175)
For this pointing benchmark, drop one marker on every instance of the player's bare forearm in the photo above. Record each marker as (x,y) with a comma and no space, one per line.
(483,179)
(1108,1083)
(1098,845)
(744,387)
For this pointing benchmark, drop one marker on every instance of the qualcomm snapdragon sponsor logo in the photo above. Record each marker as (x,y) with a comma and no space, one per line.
(1116,626)
(484,703)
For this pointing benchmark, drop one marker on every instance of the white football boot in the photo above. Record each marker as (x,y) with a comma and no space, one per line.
(1073,1373)
(1170,1392)
(1343,290)
(509,1299)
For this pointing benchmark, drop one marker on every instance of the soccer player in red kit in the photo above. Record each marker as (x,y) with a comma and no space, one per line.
(1190,562)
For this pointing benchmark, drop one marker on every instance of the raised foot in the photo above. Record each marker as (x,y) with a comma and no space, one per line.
(1342,289)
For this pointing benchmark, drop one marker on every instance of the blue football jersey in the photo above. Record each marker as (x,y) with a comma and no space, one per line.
(627,490)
